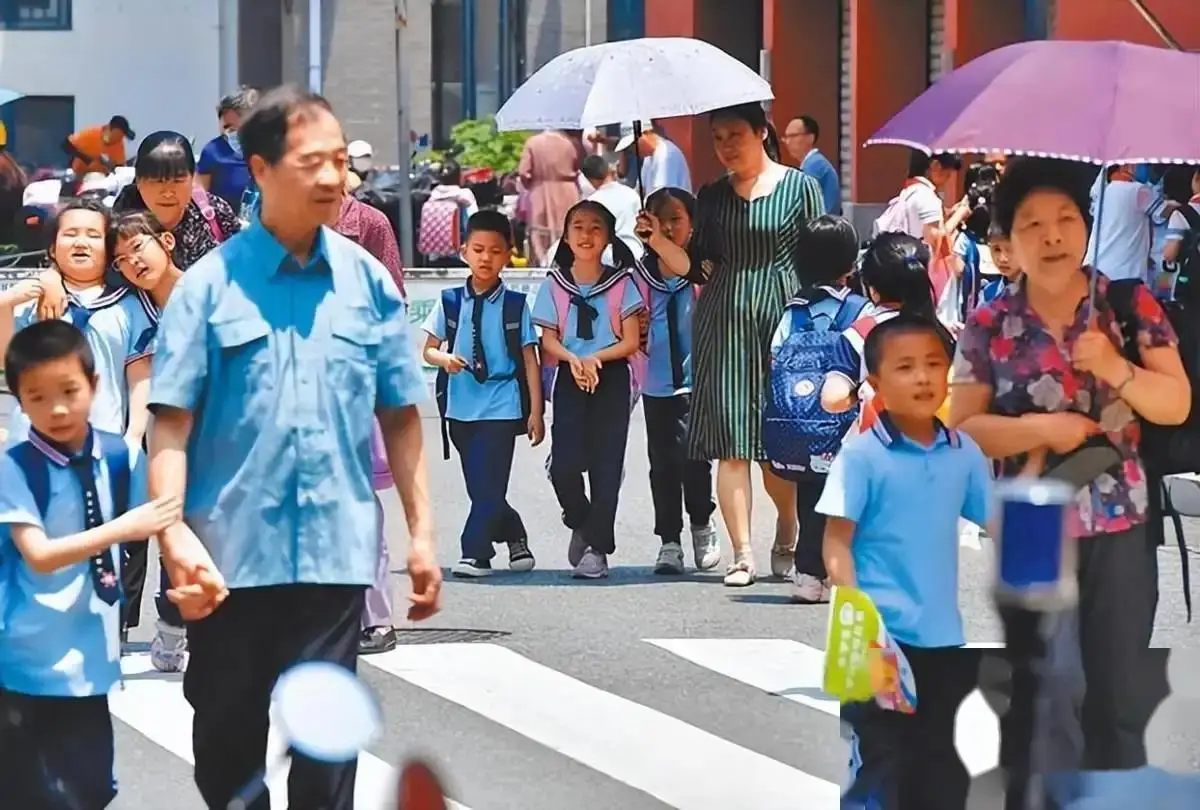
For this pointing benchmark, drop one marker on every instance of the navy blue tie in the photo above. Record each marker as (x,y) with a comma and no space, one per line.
(104,573)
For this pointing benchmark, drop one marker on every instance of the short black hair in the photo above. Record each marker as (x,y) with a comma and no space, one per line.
(488,221)
(826,250)
(920,162)
(164,155)
(264,132)
(902,324)
(595,167)
(45,342)
(1024,176)
(810,126)
(129,224)
(450,173)
(93,204)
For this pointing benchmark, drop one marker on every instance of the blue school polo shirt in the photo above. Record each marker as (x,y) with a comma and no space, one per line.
(58,638)
(467,399)
(283,366)
(227,169)
(546,314)
(119,331)
(659,380)
(905,501)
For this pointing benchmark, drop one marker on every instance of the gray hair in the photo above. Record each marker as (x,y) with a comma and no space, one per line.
(239,102)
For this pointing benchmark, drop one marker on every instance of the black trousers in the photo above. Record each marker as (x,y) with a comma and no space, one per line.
(671,471)
(1117,684)
(908,761)
(135,560)
(56,753)
(809,556)
(237,654)
(485,449)
(589,433)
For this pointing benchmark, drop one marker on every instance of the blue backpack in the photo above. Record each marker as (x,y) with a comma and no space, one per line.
(36,468)
(800,437)
(512,314)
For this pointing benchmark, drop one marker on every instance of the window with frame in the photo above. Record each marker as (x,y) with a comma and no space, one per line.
(35,15)
(37,127)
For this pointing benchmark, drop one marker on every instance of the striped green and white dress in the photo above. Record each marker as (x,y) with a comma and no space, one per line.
(747,250)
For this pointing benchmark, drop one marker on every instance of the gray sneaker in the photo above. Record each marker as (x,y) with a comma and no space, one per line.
(670,559)
(706,546)
(576,549)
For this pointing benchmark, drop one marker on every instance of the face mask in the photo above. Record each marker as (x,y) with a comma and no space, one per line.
(234,142)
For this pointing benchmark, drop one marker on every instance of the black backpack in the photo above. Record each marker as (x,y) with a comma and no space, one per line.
(1166,449)
(1187,265)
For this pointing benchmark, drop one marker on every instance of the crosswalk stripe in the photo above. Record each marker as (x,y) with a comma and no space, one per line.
(795,671)
(633,744)
(777,666)
(153,705)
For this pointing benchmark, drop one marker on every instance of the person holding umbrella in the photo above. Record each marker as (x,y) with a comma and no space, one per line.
(747,224)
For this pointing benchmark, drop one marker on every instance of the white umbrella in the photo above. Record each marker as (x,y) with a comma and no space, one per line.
(630,81)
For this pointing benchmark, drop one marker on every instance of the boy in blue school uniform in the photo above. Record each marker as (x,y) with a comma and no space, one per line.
(489,391)
(69,494)
(892,500)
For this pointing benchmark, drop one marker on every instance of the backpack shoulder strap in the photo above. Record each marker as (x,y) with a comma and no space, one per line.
(200,197)
(1120,296)
(614,297)
(562,305)
(852,306)
(513,315)
(36,468)
(451,307)
(115,453)
(1191,216)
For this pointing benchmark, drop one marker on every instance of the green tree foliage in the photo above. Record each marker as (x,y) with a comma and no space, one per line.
(477,144)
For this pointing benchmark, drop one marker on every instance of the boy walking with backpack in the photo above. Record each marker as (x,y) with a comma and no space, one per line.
(69,495)
(489,391)
(800,436)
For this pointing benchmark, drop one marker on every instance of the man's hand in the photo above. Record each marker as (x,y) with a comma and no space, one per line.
(426,577)
(199,589)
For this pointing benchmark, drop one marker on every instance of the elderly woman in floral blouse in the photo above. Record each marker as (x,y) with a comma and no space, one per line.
(1036,375)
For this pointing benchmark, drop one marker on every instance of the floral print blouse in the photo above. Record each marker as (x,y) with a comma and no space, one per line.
(1006,346)
(194,237)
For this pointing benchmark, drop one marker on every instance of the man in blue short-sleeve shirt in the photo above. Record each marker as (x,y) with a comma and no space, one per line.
(274,353)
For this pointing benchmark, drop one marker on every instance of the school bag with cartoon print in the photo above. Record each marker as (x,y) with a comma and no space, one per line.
(512,314)
(801,437)
(612,289)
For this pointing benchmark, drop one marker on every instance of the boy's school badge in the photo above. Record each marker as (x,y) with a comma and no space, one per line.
(862,661)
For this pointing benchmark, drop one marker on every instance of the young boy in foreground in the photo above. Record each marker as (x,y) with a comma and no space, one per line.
(69,494)
(893,499)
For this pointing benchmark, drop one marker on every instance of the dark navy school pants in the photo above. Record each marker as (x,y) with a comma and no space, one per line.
(485,449)
(589,433)
(56,753)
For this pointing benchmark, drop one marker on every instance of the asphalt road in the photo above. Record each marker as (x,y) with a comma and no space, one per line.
(636,692)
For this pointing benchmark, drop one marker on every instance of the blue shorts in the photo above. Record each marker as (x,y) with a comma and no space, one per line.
(58,752)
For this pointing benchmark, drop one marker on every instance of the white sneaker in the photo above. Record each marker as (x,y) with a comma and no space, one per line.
(168,650)
(670,559)
(808,590)
(706,546)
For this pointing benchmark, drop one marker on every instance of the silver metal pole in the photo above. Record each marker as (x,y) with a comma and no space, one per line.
(404,141)
(315,35)
(587,22)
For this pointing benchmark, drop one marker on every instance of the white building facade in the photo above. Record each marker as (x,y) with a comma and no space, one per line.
(80,62)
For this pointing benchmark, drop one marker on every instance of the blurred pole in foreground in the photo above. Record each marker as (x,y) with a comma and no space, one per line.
(404,141)
(1035,584)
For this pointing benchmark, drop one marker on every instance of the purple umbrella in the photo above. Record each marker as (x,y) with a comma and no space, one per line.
(1098,102)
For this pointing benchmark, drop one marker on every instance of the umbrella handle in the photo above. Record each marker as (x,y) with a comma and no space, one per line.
(637,160)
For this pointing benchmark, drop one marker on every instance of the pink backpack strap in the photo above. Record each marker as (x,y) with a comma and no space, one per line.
(562,306)
(200,197)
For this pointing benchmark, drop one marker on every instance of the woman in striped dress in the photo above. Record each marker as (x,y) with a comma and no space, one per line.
(743,251)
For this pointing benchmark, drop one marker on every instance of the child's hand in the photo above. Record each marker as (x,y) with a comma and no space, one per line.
(453,363)
(576,366)
(150,518)
(53,302)
(22,292)
(591,370)
(647,226)
(535,429)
